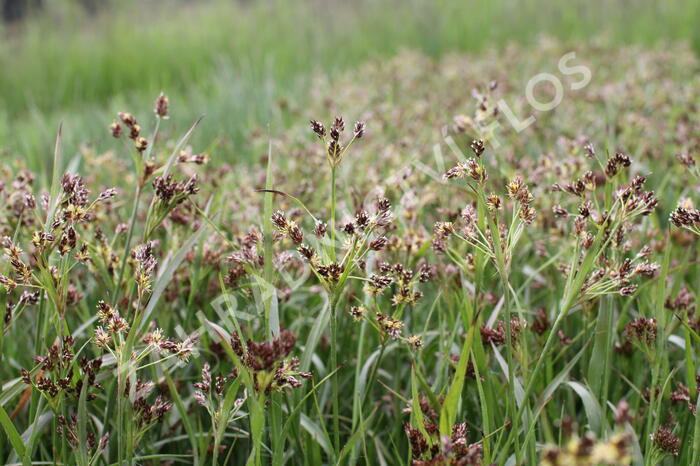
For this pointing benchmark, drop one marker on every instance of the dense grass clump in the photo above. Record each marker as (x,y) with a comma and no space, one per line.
(419,284)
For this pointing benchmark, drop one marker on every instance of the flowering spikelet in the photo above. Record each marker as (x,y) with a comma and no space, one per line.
(389,325)
(686,217)
(666,441)
(359,129)
(74,189)
(146,262)
(497,335)
(477,146)
(140,144)
(115,129)
(377,284)
(358,313)
(614,164)
(318,129)
(161,106)
(641,330)
(415,342)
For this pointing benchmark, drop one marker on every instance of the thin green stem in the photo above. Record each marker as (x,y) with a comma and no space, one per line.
(332,220)
(127,246)
(515,419)
(333,366)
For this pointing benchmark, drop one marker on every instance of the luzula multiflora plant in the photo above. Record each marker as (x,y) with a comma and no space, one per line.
(64,377)
(330,260)
(491,230)
(601,261)
(337,255)
(686,215)
(601,264)
(130,345)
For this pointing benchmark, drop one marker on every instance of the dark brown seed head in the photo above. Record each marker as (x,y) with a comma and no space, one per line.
(685,217)
(306,252)
(279,220)
(559,211)
(383,205)
(362,219)
(134,131)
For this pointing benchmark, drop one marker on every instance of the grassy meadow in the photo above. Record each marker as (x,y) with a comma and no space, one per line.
(236,62)
(380,245)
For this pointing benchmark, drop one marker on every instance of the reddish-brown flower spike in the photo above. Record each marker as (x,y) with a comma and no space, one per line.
(296,235)
(334,149)
(127,118)
(589,150)
(358,313)
(477,146)
(686,160)
(338,124)
(318,129)
(378,243)
(320,229)
(115,129)
(666,441)
(134,131)
(141,144)
(306,252)
(383,205)
(161,106)
(641,330)
(359,129)
(457,171)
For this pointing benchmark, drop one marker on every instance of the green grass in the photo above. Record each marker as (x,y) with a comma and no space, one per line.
(234,62)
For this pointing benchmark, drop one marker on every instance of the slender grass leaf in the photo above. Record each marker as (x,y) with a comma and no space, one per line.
(448,413)
(11,432)
(166,275)
(316,433)
(590,405)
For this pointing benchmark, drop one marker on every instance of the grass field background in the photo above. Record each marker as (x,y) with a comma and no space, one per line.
(235,61)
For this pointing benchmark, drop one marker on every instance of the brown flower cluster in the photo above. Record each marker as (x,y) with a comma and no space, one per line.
(58,375)
(431,450)
(268,362)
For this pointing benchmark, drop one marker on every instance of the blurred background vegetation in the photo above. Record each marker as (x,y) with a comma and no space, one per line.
(239,62)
